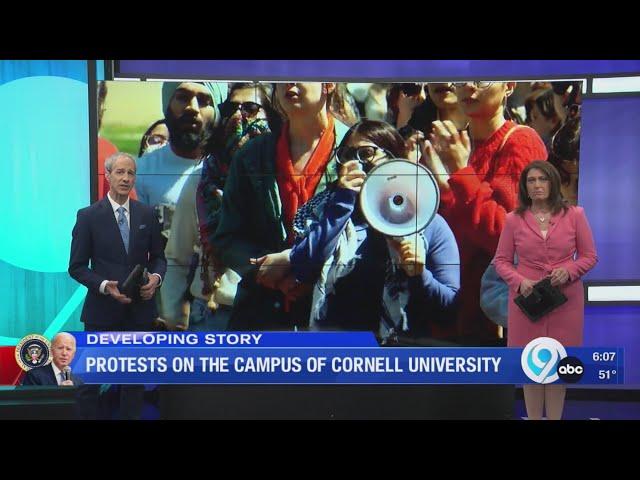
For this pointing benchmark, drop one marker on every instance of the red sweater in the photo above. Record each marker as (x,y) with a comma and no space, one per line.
(476,207)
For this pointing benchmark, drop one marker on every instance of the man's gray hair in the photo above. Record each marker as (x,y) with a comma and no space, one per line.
(60,335)
(108,163)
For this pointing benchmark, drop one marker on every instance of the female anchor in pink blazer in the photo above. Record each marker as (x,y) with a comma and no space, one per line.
(545,233)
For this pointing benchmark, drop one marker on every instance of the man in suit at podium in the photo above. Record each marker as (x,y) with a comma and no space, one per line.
(115,234)
(63,349)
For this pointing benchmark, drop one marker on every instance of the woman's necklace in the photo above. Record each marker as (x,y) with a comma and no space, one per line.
(540,216)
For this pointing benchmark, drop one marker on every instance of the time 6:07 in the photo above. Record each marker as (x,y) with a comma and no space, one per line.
(604,356)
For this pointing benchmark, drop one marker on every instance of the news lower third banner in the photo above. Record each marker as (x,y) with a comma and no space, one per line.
(328,358)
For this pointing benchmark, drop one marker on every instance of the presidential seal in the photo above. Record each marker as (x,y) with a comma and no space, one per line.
(33,351)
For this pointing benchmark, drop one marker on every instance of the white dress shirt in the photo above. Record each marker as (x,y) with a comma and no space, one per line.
(127,215)
(57,372)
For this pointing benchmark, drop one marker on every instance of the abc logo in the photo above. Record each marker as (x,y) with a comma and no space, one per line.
(570,369)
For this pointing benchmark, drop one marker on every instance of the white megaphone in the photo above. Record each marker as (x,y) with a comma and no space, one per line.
(399,198)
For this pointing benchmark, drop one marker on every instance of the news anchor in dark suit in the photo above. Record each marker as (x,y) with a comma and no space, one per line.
(115,234)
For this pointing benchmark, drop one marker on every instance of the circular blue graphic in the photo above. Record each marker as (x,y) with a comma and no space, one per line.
(544,355)
(44,150)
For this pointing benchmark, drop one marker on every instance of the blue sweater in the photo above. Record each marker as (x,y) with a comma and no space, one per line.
(356,302)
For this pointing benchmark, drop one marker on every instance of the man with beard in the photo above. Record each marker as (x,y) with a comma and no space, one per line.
(245,114)
(163,172)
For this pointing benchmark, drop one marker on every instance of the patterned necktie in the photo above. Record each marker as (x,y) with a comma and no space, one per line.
(61,377)
(124,228)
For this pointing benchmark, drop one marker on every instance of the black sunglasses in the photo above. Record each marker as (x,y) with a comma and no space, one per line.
(365,154)
(248,108)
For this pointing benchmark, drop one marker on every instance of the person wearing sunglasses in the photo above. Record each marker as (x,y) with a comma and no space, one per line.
(187,289)
(269,179)
(478,174)
(361,279)
(246,113)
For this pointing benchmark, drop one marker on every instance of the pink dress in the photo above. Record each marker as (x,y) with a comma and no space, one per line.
(568,234)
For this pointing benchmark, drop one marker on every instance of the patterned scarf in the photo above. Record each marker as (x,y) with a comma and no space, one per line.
(237,132)
(215,168)
(297,188)
(395,294)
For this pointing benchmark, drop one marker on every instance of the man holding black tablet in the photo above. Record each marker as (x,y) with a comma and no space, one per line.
(115,235)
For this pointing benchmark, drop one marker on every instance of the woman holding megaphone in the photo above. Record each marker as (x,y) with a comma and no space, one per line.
(362,279)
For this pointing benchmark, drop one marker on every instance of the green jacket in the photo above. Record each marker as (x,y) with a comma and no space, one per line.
(251,225)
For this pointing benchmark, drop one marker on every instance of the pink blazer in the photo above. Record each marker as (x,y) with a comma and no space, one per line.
(569,244)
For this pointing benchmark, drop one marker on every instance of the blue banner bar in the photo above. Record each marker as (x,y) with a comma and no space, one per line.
(339,365)
(372,70)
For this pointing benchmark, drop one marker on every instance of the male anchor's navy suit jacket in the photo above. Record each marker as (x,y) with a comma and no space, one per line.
(97,239)
(45,376)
